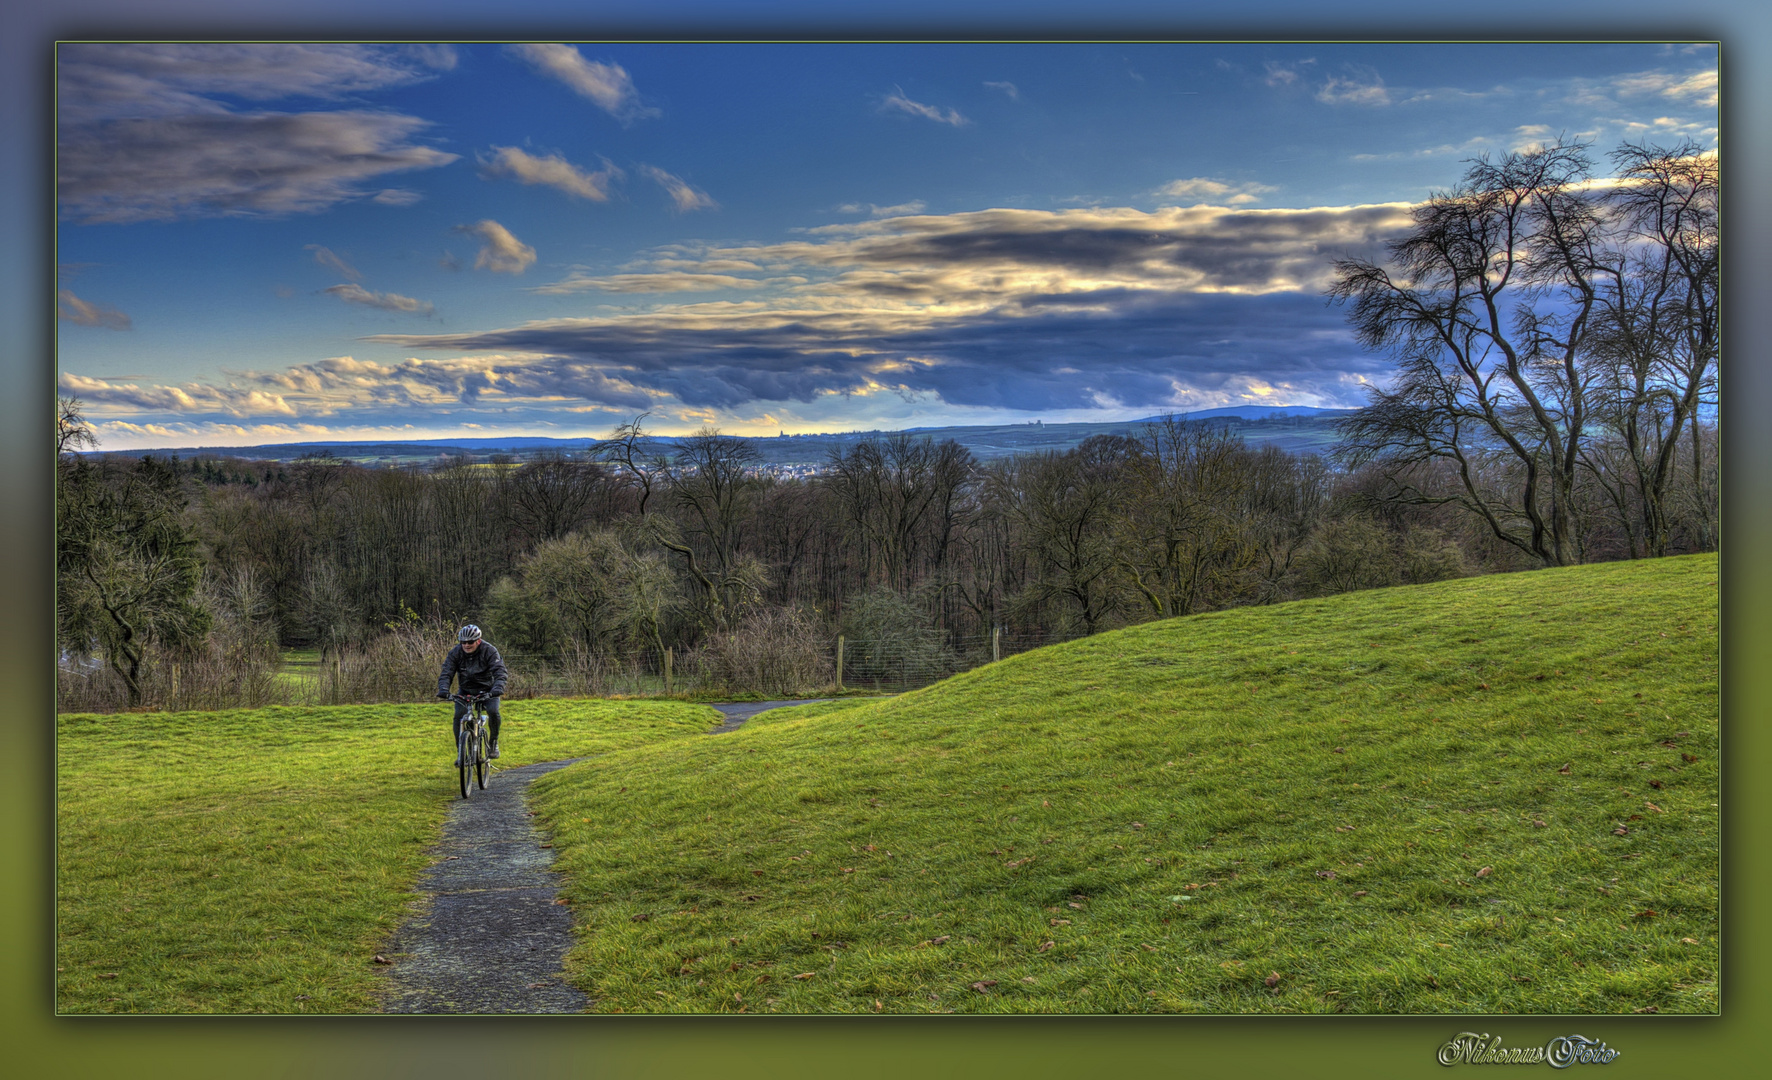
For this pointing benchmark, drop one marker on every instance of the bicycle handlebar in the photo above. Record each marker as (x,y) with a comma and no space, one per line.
(469,699)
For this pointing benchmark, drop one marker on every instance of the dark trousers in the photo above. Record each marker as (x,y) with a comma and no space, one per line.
(492,719)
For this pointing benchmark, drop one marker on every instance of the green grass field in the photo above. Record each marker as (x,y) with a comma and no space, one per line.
(253,861)
(1492,795)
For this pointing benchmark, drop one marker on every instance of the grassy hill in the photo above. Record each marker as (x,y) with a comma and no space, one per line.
(1491,795)
(254,861)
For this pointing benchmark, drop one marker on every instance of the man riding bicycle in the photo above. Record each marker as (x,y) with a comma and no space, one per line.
(480,670)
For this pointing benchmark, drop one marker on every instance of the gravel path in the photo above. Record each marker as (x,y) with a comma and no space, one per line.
(489,938)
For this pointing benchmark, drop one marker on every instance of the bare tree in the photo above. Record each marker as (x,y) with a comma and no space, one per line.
(1065,505)
(552,496)
(1487,307)
(1657,340)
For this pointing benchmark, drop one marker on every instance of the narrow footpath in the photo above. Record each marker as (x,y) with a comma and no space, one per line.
(488,937)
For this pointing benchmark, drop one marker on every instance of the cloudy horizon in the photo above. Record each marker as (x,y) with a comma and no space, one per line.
(309,242)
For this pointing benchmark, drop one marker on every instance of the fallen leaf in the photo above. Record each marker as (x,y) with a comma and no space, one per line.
(380,959)
(561,900)
(642,917)
(1326,874)
(304,997)
(1620,831)
(1272,980)
(942,940)
(1647,1008)
(1656,784)
(1634,817)
(877,1005)
(849,869)
(1027,978)
(1482,686)
(1646,914)
(1147,948)
(1539,824)
(1565,769)
(1655,808)
(1485,871)
(547,845)
(1688,758)
(1361,893)
(1045,802)
(1442,945)
(1339,750)
(1058,922)
(1689,940)
(984,984)
(806,975)
(1519,978)
(113,974)
(1079,907)
(1050,944)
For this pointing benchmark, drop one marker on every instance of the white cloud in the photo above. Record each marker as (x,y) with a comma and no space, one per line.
(552,171)
(159,132)
(1363,88)
(1698,87)
(608,85)
(77,311)
(397,197)
(357,294)
(326,257)
(100,394)
(647,283)
(1279,74)
(228,164)
(1008,88)
(109,81)
(915,206)
(502,253)
(684,198)
(897,100)
(1204,189)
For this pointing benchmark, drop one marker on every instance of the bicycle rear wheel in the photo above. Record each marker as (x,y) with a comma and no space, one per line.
(481,755)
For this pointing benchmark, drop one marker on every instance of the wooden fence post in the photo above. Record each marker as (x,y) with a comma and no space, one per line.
(667,673)
(996,643)
(839,661)
(173,704)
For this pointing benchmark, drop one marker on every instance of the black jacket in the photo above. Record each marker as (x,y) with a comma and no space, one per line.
(481,671)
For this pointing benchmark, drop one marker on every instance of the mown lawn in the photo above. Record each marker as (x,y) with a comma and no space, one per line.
(1493,795)
(252,861)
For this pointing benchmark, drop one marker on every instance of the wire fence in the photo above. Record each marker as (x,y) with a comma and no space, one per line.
(406,671)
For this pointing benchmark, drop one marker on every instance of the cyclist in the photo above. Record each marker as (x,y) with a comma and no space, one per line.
(480,670)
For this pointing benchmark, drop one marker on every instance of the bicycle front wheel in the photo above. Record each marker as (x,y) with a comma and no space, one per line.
(464,759)
(481,757)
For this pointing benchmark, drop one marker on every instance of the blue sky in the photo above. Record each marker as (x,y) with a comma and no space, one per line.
(269,243)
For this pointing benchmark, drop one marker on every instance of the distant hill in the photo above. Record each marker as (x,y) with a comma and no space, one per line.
(1258,412)
(1296,428)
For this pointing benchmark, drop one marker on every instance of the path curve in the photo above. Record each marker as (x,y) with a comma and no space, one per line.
(489,937)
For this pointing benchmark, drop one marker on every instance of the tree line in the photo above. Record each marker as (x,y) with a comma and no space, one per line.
(1556,351)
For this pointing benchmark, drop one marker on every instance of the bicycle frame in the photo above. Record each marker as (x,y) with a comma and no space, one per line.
(470,747)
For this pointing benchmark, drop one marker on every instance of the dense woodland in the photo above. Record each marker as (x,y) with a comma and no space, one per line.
(1555,404)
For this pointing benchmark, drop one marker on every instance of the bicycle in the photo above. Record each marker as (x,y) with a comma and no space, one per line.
(471,753)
